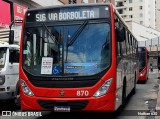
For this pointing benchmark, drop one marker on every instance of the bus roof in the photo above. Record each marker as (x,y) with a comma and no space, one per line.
(68,12)
(69,5)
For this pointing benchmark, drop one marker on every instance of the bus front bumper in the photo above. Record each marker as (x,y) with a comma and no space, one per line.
(143,77)
(104,103)
(7,93)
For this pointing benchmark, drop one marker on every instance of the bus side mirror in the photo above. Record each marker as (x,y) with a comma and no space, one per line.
(121,34)
(11,37)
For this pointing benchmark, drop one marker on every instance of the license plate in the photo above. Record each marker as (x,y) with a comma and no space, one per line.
(62,108)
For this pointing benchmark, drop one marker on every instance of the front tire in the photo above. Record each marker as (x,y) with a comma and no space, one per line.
(124,94)
(120,109)
(134,89)
(17,99)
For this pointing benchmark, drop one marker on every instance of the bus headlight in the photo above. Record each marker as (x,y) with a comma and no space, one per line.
(103,89)
(2,79)
(26,89)
(143,73)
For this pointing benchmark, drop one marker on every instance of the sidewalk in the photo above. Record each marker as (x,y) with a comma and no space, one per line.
(158,101)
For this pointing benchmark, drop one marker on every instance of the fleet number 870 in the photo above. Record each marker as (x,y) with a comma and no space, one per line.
(82,92)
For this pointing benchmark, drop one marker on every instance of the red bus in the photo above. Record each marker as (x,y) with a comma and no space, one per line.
(76,57)
(143,56)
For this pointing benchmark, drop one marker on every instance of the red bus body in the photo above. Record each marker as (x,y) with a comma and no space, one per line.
(144,70)
(81,98)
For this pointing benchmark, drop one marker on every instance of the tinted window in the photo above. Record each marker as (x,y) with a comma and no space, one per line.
(14,56)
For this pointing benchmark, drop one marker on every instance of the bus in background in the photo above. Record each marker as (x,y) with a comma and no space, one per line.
(9,65)
(143,56)
(76,57)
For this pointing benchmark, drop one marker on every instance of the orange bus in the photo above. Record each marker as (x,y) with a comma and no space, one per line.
(143,56)
(76,58)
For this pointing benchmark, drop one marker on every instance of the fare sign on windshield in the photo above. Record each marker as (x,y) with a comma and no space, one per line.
(68,13)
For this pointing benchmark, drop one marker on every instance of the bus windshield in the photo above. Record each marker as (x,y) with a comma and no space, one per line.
(77,49)
(142,60)
(2,56)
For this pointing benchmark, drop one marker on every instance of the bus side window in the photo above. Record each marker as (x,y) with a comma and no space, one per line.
(120,32)
(13,56)
(120,36)
(116,36)
(119,50)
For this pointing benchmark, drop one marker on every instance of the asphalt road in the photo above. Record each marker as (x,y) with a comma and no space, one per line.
(144,100)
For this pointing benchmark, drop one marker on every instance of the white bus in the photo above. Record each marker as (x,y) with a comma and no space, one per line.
(9,71)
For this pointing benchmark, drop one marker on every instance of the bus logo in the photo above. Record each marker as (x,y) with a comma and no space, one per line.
(61,93)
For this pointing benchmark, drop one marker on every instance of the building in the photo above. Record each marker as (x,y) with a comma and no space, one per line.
(27,3)
(81,1)
(88,1)
(48,2)
(141,32)
(157,15)
(61,2)
(146,36)
(140,11)
(5,18)
(17,13)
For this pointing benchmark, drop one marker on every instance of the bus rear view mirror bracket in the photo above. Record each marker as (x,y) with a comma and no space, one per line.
(11,37)
(11,33)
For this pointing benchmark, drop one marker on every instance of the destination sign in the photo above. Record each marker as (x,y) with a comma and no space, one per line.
(68,13)
(141,49)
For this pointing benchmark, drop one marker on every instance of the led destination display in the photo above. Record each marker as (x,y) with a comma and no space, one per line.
(65,14)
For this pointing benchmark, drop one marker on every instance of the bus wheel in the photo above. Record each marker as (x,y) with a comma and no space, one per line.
(124,94)
(120,109)
(134,89)
(17,99)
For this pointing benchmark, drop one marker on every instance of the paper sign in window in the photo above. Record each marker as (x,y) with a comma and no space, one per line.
(46,66)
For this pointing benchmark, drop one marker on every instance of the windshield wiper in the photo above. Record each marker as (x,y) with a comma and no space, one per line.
(49,33)
(74,36)
(77,33)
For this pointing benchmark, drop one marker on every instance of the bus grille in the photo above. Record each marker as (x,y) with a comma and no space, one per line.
(74,105)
